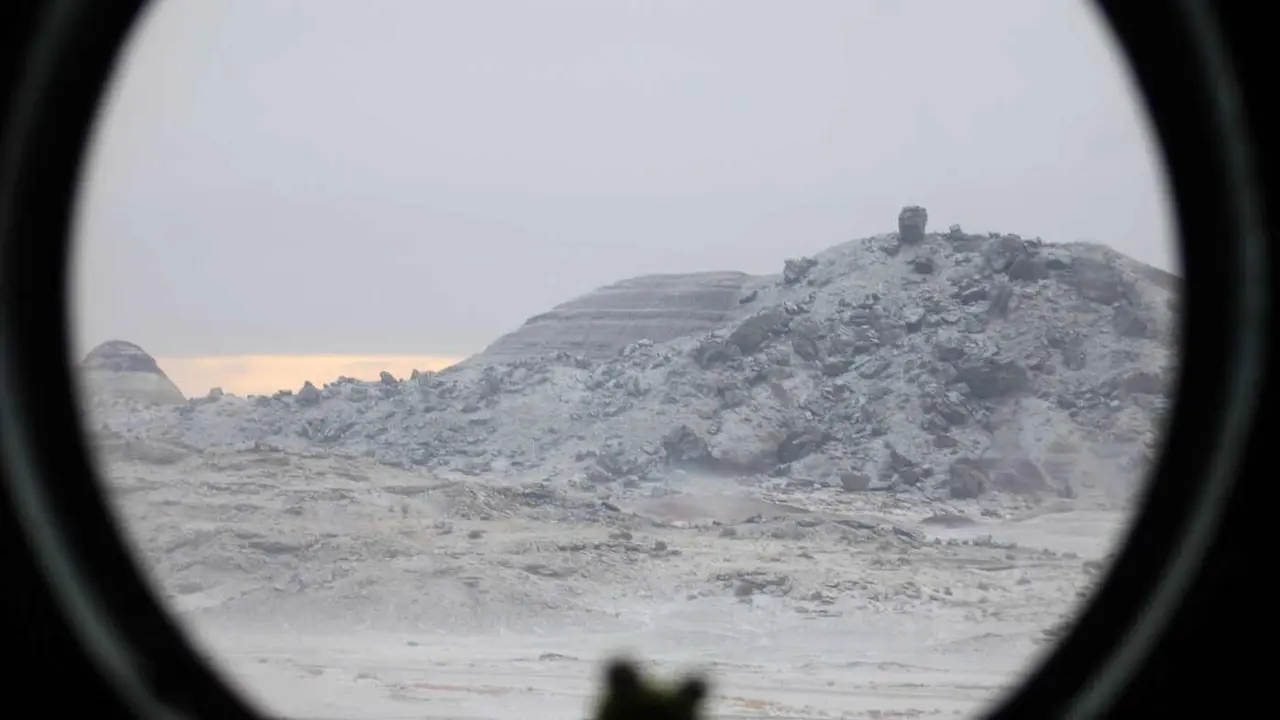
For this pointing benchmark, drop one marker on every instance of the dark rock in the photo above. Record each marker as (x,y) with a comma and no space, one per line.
(948,407)
(1097,281)
(999,306)
(1127,322)
(974,295)
(683,446)
(989,378)
(387,378)
(945,442)
(1016,475)
(800,308)
(806,347)
(309,394)
(948,349)
(866,317)
(965,479)
(1071,345)
(872,368)
(854,481)
(1073,355)
(904,467)
(898,461)
(749,297)
(613,460)
(804,339)
(1000,253)
(836,368)
(752,334)
(733,396)
(715,351)
(923,265)
(911,224)
(801,443)
(1028,269)
(1056,263)
(853,343)
(910,476)
(795,270)
(913,319)
(1040,362)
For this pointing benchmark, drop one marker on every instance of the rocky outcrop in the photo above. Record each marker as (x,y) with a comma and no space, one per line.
(851,370)
(657,308)
(121,370)
(911,223)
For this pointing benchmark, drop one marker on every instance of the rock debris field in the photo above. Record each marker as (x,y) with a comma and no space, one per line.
(877,484)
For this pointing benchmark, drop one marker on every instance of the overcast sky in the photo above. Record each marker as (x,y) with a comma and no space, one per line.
(337,177)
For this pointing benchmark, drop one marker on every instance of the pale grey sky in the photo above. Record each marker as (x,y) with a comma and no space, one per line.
(328,176)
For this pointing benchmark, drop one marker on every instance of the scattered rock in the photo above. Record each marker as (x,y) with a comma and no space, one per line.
(1127,322)
(989,378)
(683,447)
(1002,252)
(752,334)
(801,443)
(923,265)
(966,480)
(308,395)
(636,387)
(1026,268)
(795,270)
(1097,281)
(854,481)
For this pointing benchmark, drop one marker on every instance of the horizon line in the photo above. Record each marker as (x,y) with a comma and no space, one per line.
(268,373)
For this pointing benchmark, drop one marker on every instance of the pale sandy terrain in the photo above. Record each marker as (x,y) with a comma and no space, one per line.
(373,597)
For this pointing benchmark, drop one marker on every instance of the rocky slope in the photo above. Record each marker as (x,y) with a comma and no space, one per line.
(947,367)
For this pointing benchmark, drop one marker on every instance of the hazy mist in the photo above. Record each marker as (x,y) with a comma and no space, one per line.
(883,488)
(418,177)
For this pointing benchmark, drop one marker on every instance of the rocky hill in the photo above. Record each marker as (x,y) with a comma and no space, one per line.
(875,482)
(937,365)
(118,370)
(598,325)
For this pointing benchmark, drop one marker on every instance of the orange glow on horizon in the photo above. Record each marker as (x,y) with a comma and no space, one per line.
(265,374)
